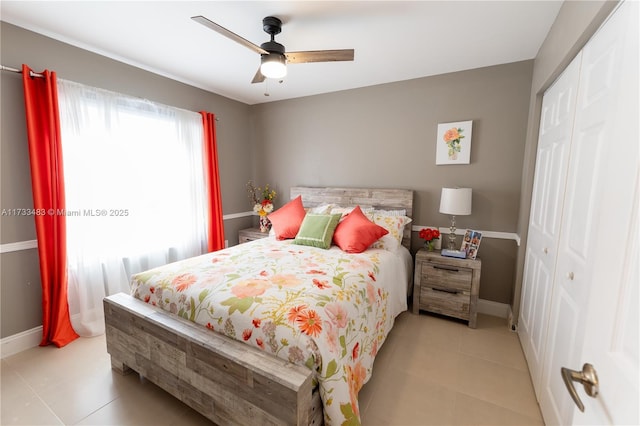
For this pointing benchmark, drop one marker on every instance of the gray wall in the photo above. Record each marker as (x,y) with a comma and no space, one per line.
(385,136)
(576,22)
(20,295)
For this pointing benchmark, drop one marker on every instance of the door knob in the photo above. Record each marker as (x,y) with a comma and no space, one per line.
(587,377)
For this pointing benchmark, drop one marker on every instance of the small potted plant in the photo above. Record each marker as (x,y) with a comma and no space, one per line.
(429,236)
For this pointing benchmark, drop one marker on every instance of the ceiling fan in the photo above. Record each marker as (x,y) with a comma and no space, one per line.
(274,59)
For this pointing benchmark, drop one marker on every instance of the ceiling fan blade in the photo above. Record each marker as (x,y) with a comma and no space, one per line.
(231,35)
(320,56)
(259,77)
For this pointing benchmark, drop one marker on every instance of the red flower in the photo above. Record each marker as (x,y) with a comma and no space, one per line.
(320,284)
(146,298)
(429,234)
(373,277)
(184,281)
(210,326)
(246,334)
(256,322)
(295,311)
(260,343)
(354,352)
(309,322)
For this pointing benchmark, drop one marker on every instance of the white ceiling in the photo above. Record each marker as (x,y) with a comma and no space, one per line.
(393,40)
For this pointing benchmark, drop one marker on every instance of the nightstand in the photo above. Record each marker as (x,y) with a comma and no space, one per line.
(250,234)
(446,285)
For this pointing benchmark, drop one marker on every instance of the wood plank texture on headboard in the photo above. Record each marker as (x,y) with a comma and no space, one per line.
(384,199)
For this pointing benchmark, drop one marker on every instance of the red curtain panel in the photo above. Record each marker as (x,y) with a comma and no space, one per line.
(47,179)
(216,225)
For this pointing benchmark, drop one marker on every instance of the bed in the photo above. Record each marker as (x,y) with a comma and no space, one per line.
(248,371)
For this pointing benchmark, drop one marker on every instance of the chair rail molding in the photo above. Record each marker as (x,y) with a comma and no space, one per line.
(488,234)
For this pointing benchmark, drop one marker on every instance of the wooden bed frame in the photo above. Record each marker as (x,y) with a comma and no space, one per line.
(227,381)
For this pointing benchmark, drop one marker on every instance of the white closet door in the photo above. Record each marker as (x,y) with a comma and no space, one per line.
(552,162)
(604,150)
(612,320)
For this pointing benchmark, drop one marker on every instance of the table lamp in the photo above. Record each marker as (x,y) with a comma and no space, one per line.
(455,202)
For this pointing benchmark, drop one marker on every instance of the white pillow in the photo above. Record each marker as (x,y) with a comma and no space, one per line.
(346,210)
(321,209)
(393,221)
(400,212)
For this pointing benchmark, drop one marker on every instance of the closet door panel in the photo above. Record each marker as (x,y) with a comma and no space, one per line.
(582,201)
(552,161)
(539,284)
(562,341)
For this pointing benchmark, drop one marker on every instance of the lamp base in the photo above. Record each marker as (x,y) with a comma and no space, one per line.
(452,234)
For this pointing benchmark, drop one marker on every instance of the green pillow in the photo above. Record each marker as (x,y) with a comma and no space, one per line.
(317,230)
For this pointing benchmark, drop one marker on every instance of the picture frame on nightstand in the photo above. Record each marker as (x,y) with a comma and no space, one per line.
(471,243)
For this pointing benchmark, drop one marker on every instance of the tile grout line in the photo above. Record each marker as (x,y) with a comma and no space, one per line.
(37,394)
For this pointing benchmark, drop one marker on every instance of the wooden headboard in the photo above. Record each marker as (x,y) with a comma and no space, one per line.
(385,199)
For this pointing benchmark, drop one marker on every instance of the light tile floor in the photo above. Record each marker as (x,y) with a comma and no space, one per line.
(431,370)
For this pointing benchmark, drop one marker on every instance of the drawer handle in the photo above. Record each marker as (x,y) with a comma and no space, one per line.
(445,268)
(445,290)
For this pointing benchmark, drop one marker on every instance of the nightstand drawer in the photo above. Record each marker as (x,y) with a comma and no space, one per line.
(455,304)
(446,276)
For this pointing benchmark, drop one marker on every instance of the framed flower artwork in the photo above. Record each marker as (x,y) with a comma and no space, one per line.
(453,144)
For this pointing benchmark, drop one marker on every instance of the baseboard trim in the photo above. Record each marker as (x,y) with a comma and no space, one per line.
(22,341)
(496,309)
(513,325)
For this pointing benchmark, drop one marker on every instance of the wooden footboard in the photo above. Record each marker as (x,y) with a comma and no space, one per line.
(225,380)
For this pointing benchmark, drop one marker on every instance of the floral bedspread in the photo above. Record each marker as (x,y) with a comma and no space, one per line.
(325,309)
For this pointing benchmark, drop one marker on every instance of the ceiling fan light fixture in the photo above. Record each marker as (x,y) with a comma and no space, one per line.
(273,65)
(274,57)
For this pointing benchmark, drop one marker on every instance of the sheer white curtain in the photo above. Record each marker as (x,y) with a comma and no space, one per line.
(135,192)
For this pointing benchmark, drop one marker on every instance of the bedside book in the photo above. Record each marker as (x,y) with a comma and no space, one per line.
(454,253)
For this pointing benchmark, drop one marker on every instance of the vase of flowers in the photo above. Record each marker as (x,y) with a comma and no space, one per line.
(452,138)
(262,200)
(429,236)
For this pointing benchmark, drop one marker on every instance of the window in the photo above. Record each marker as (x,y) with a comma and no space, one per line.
(135,192)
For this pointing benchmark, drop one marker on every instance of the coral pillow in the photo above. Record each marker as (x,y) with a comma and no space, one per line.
(356,233)
(287,219)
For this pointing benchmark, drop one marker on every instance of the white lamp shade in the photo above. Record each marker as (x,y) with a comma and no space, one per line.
(455,201)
